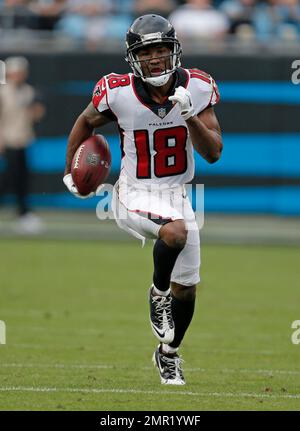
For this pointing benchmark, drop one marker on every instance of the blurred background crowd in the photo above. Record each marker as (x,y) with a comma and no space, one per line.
(248,46)
(93,20)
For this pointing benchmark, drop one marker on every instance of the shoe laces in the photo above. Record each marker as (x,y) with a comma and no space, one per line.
(174,365)
(161,304)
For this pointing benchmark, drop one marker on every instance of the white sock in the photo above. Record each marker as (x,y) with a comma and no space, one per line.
(168,349)
(161,292)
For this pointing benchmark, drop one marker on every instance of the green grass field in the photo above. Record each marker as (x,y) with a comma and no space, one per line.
(78,336)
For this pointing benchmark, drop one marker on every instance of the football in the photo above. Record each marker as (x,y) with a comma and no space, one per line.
(91,164)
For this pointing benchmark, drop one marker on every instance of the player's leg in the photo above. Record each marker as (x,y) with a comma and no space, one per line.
(184,279)
(183,306)
(21,181)
(166,356)
(6,175)
(171,241)
(148,216)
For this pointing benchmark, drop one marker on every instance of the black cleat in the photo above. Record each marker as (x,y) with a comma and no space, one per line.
(169,367)
(161,317)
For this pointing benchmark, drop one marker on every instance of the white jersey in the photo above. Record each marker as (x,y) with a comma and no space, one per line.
(155,143)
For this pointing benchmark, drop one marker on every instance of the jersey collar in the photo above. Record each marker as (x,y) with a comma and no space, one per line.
(141,92)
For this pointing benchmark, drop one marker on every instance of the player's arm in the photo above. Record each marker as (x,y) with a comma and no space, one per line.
(83,128)
(204,128)
(206,135)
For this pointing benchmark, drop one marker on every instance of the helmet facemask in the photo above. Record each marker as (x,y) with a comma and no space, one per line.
(173,59)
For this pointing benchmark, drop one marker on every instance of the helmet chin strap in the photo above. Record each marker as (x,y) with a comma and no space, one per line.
(158,81)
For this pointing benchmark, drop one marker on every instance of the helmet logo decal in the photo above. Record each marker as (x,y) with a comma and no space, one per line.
(151,36)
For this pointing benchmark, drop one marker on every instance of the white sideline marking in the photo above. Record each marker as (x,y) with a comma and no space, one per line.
(97,366)
(210,351)
(232,370)
(191,370)
(137,391)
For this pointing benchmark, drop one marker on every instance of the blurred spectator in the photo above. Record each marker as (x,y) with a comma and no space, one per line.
(85,18)
(95,19)
(277,19)
(239,13)
(15,14)
(19,110)
(144,7)
(47,12)
(199,19)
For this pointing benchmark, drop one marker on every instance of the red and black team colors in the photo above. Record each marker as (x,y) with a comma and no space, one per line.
(163,112)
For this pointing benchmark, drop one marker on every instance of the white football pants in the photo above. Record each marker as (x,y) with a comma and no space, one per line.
(141,212)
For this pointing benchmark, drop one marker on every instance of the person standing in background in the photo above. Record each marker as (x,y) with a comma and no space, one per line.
(19,110)
(200,20)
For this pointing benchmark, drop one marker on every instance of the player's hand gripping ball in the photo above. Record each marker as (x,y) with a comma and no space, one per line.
(90,167)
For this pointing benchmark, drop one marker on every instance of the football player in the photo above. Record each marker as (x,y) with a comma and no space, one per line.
(163,112)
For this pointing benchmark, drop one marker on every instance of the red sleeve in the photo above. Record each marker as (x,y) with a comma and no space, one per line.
(100,96)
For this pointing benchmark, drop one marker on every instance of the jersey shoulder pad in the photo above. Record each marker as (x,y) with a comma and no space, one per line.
(116,80)
(206,84)
(107,88)
(99,93)
(200,74)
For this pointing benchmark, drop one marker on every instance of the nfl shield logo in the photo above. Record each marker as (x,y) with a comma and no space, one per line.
(161,112)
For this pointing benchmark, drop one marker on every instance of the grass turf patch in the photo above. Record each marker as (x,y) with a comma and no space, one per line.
(78,335)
